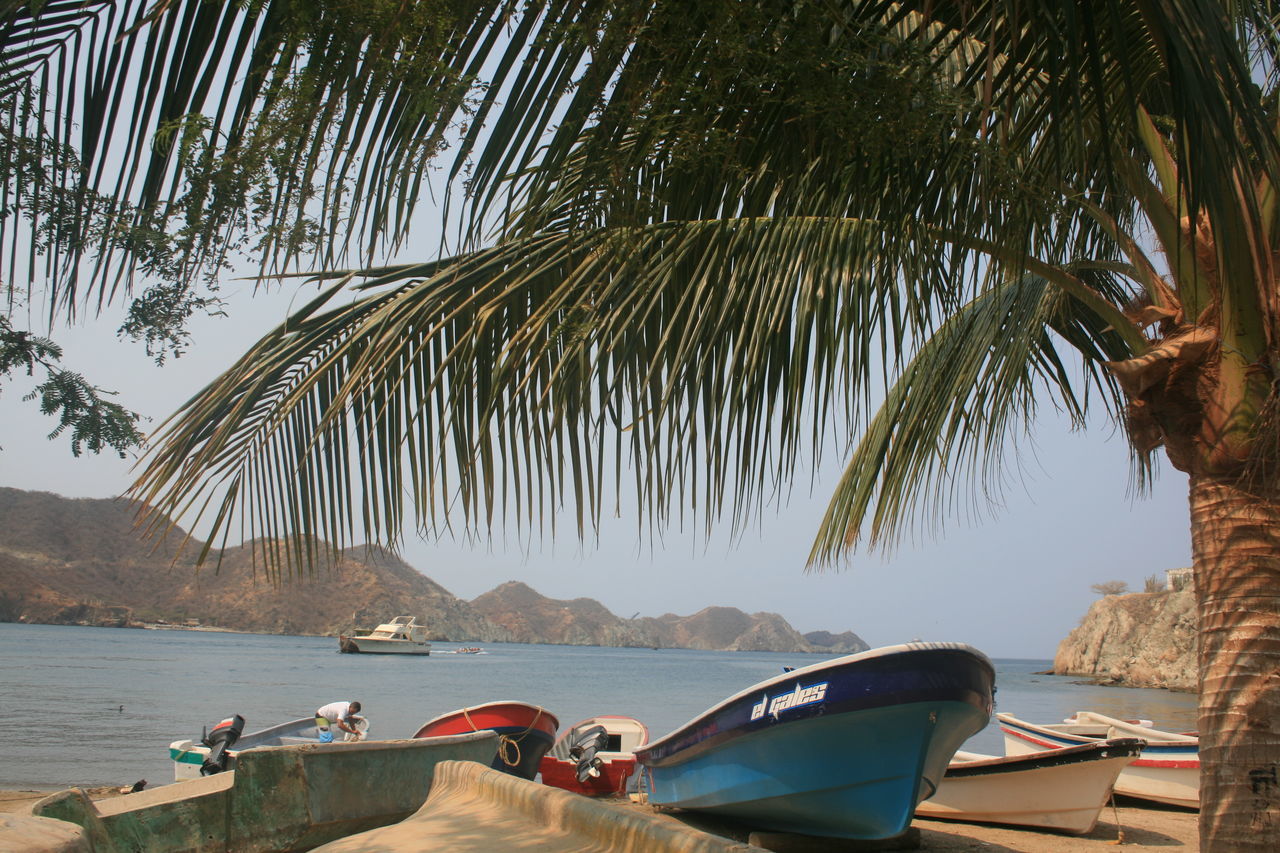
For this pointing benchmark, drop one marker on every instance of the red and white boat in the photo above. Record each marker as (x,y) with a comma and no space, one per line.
(596,756)
(1167,771)
(525,732)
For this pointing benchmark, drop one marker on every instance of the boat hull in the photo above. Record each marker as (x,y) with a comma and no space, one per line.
(614,773)
(843,749)
(525,732)
(1062,790)
(368,646)
(617,761)
(1167,772)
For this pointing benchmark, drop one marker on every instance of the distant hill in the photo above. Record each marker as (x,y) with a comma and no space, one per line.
(79,561)
(68,561)
(726,628)
(534,618)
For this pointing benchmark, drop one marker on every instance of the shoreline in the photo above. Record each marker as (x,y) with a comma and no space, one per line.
(1123,823)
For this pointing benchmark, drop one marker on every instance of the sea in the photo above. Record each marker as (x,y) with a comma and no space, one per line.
(99,706)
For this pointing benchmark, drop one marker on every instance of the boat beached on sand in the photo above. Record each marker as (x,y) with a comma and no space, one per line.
(845,748)
(525,732)
(401,636)
(1060,789)
(218,749)
(1167,771)
(595,757)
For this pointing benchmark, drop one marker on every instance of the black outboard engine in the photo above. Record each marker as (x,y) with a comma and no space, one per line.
(584,751)
(219,740)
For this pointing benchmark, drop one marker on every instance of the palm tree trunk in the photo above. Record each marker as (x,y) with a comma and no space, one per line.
(1235,539)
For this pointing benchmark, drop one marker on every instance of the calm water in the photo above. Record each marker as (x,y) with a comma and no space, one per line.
(99,706)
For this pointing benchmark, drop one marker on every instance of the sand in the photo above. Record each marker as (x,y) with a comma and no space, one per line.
(1128,824)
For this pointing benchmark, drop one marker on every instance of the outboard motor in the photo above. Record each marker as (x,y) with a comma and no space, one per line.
(223,736)
(584,751)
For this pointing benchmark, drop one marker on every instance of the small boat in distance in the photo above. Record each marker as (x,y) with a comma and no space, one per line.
(1167,771)
(190,757)
(1060,789)
(525,732)
(595,757)
(401,636)
(845,748)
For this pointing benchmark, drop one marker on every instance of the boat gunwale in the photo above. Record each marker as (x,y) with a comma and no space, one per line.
(1148,733)
(1079,754)
(668,753)
(1168,755)
(870,654)
(544,715)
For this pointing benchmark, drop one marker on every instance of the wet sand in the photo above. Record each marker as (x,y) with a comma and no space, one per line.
(1129,825)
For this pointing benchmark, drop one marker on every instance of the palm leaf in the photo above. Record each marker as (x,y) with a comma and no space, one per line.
(358,99)
(972,387)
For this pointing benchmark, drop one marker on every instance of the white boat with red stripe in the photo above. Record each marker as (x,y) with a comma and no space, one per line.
(1167,771)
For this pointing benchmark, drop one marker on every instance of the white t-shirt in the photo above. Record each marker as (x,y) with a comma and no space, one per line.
(335,711)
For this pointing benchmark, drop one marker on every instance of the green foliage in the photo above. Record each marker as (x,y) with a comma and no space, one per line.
(94,423)
(295,167)
(159,318)
(66,218)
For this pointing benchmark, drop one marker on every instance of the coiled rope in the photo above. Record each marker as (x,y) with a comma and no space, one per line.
(507,744)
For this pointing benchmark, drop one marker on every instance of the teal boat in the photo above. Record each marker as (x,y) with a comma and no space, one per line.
(846,748)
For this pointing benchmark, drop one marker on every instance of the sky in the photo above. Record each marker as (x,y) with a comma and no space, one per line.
(1013,584)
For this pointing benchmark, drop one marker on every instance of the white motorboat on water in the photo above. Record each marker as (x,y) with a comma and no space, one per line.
(401,636)
(1167,771)
(1060,789)
(217,750)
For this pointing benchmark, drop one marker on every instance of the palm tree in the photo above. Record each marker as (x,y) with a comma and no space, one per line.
(700,236)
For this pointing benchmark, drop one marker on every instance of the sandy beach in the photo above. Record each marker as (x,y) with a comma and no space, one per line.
(1133,827)
(1127,824)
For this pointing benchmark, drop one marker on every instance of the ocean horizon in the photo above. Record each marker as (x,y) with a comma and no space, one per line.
(99,706)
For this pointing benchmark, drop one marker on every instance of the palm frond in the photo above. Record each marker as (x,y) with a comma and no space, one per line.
(951,418)
(313,124)
(507,378)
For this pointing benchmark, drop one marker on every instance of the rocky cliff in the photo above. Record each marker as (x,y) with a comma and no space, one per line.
(80,561)
(1138,640)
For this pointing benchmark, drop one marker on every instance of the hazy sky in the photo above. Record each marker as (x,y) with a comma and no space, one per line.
(1014,585)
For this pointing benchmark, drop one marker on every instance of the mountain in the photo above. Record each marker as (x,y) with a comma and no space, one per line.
(534,618)
(846,643)
(80,561)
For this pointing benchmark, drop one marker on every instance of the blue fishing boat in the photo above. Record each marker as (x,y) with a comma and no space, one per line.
(845,748)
